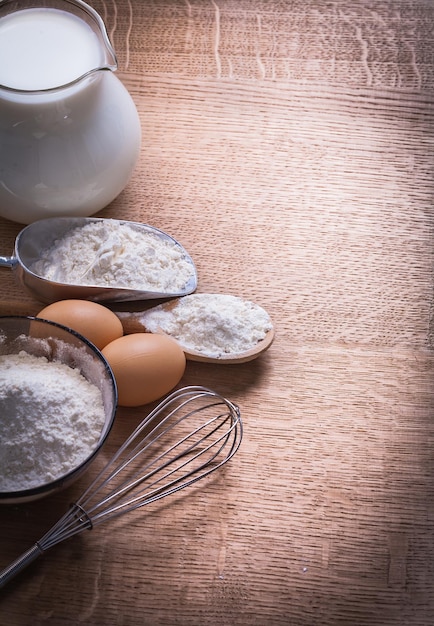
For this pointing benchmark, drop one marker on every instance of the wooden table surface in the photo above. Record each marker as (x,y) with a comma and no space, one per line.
(289,146)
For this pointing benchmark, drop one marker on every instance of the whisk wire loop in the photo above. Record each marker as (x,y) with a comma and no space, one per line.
(159,486)
(164,482)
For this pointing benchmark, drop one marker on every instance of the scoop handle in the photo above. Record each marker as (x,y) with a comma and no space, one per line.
(19,564)
(8,261)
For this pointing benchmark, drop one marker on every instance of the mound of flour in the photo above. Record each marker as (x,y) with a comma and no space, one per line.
(51,419)
(211,324)
(109,253)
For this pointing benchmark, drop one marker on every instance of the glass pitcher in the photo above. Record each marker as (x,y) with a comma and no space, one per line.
(69,130)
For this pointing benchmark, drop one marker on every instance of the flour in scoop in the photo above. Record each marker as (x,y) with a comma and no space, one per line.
(211,324)
(108,253)
(51,419)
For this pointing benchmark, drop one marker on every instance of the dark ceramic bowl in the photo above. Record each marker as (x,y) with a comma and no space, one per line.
(58,343)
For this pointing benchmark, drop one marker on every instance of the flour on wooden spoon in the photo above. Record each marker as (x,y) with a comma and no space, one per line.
(215,325)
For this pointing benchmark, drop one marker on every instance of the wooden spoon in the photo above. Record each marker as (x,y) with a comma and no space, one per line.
(132,323)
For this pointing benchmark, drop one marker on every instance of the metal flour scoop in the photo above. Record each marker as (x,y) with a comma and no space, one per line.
(44,234)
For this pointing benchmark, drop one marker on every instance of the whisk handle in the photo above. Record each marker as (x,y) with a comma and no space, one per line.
(19,564)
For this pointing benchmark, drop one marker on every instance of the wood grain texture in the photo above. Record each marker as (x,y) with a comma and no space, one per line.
(289,146)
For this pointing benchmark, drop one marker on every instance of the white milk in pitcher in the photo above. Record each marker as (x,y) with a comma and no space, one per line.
(69,138)
(45,48)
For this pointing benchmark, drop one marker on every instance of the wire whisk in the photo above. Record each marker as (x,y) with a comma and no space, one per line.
(189,435)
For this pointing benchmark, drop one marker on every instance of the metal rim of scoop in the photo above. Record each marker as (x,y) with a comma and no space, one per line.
(42,234)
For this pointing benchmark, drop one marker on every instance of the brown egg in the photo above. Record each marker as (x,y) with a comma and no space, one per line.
(145,366)
(94,321)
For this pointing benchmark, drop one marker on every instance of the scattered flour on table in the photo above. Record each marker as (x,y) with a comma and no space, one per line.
(211,324)
(51,419)
(108,253)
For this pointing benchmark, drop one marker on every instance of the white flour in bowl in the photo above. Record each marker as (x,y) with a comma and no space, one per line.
(112,254)
(51,419)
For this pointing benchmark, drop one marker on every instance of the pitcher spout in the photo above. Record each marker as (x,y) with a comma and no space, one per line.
(109,59)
